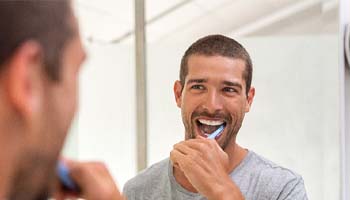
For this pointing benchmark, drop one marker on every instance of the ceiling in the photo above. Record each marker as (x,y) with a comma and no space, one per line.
(112,21)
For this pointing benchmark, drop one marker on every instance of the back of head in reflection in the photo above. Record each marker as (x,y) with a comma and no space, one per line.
(40,58)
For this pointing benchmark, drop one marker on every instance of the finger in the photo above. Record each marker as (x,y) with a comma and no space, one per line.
(84,173)
(200,137)
(172,159)
(94,180)
(205,143)
(185,148)
(176,157)
(198,145)
(186,162)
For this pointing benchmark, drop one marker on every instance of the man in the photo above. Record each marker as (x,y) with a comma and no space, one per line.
(214,90)
(40,58)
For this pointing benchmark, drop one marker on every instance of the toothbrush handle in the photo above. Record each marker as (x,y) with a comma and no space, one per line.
(64,177)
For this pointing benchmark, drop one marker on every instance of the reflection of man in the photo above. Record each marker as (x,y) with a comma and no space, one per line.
(40,58)
(214,90)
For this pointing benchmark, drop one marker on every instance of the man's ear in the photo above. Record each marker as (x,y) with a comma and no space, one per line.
(23,77)
(250,99)
(178,93)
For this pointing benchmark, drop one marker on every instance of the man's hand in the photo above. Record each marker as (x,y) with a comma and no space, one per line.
(94,181)
(206,166)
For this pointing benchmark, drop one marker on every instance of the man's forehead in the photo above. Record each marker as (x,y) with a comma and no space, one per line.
(215,65)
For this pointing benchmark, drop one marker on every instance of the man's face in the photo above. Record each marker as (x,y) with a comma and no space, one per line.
(214,94)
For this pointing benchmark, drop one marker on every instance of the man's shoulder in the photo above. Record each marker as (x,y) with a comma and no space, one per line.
(271,178)
(151,176)
(271,170)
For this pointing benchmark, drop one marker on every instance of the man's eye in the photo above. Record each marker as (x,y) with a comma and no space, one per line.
(229,89)
(197,87)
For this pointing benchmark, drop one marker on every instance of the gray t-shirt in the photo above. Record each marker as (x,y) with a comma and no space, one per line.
(257,178)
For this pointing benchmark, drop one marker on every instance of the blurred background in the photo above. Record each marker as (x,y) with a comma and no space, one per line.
(294,45)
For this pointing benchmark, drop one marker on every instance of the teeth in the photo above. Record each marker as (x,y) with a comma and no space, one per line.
(211,122)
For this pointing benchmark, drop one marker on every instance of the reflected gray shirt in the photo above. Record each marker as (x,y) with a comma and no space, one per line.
(257,178)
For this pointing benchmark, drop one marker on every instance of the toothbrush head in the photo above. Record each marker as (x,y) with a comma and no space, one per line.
(216,133)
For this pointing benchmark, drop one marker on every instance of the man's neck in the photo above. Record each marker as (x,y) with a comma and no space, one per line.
(11,141)
(8,164)
(11,138)
(236,155)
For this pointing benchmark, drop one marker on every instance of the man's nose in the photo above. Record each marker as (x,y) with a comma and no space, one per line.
(213,102)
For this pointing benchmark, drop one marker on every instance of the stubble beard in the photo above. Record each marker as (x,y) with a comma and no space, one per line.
(33,178)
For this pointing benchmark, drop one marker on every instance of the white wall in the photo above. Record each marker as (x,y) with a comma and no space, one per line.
(294,118)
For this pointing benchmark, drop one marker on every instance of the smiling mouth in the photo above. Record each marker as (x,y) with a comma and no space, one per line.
(207,127)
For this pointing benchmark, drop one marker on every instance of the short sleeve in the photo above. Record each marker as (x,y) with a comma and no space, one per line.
(293,190)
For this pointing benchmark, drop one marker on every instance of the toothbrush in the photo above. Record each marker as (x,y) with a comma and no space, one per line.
(65,179)
(216,133)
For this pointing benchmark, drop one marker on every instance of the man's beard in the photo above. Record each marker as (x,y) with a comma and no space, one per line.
(232,125)
(33,178)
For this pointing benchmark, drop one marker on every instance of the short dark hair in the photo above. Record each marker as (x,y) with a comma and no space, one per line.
(44,21)
(214,45)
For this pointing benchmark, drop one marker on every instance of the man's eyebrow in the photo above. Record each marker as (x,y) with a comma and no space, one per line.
(234,84)
(196,81)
